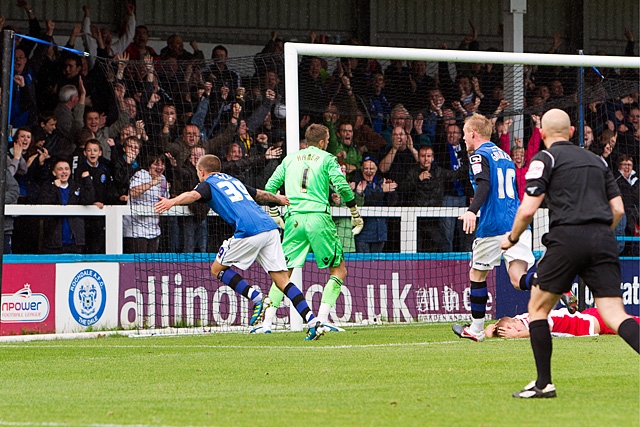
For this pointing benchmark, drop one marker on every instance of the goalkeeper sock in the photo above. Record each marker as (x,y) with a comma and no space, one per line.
(275,295)
(478,299)
(269,316)
(540,337)
(330,295)
(232,279)
(298,301)
(629,330)
(528,280)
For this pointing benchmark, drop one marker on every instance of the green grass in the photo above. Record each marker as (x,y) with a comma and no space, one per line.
(414,375)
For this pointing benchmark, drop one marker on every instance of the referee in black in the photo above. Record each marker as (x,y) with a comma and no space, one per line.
(584,207)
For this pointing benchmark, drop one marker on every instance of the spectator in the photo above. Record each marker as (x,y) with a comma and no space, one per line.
(99,42)
(12,192)
(588,136)
(420,83)
(142,228)
(427,181)
(175,46)
(15,155)
(522,158)
(453,156)
(365,138)
(138,49)
(341,145)
(434,113)
(374,191)
(125,165)
(103,190)
(222,74)
(604,146)
(627,180)
(397,159)
(379,106)
(397,81)
(23,104)
(195,225)
(70,111)
(313,97)
(343,224)
(65,234)
(400,117)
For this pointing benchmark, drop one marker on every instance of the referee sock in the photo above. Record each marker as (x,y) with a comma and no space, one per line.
(629,330)
(478,298)
(528,280)
(232,279)
(297,299)
(540,337)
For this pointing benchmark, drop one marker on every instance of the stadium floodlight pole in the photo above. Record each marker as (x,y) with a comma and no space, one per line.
(4,128)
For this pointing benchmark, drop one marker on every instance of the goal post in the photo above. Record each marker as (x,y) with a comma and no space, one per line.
(293,51)
(417,275)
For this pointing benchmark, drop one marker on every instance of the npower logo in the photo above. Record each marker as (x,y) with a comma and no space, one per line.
(24,306)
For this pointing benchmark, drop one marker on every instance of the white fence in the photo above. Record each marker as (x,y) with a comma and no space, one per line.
(408,215)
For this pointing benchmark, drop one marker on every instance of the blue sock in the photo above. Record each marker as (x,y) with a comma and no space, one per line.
(528,280)
(478,299)
(293,293)
(232,279)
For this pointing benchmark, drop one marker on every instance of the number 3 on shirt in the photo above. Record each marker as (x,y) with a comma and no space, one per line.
(506,186)
(235,190)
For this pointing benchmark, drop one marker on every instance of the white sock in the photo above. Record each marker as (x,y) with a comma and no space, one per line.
(323,312)
(269,315)
(258,298)
(477,325)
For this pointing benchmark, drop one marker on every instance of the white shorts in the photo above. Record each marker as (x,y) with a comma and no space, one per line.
(486,252)
(264,248)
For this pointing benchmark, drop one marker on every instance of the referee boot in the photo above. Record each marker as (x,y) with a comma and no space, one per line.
(533,392)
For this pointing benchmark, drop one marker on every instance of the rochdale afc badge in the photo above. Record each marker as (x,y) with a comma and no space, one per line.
(87,297)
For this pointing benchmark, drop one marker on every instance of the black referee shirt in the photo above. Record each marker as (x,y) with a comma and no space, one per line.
(577,183)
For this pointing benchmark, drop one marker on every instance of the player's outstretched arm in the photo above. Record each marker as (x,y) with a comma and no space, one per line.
(265,196)
(185,198)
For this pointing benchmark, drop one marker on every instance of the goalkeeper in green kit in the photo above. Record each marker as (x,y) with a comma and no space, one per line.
(307,175)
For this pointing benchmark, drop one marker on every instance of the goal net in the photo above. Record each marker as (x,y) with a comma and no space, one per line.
(411,262)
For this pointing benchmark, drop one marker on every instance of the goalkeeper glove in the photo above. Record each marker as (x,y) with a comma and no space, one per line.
(356,221)
(274,213)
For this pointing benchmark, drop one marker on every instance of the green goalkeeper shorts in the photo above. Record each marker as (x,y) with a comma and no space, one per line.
(311,232)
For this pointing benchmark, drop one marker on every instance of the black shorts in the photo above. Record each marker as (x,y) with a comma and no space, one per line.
(589,251)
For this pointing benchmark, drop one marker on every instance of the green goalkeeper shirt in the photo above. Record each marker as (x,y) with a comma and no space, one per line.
(307,175)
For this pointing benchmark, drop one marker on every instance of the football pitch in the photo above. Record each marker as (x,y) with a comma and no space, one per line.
(388,375)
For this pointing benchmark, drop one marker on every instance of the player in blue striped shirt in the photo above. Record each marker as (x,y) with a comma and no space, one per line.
(256,237)
(490,215)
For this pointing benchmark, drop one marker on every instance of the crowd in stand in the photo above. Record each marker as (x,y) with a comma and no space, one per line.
(128,124)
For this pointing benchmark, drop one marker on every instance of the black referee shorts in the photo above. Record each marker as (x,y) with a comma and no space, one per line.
(589,251)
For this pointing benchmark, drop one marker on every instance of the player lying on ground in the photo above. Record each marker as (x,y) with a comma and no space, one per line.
(561,323)
(256,237)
